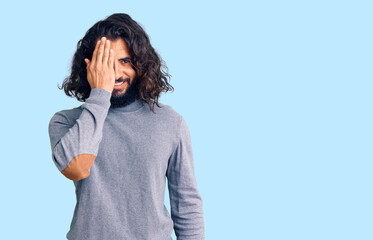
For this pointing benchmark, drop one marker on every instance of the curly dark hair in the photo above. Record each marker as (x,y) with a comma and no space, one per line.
(151,78)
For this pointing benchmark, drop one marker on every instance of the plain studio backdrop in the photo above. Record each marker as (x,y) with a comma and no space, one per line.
(277,96)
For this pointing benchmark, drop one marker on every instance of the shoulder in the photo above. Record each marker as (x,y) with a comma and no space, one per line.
(175,122)
(67,116)
(166,111)
(165,115)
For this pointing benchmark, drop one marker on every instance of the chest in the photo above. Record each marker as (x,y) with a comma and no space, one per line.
(133,146)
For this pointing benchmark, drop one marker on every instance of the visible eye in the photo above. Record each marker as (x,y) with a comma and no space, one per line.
(125,61)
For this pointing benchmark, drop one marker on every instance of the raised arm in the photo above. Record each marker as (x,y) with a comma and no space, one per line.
(75,145)
(185,200)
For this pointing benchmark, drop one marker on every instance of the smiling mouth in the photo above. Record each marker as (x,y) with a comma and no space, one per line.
(118,83)
(121,80)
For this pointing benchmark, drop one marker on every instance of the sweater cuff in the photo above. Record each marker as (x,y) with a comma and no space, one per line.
(99,96)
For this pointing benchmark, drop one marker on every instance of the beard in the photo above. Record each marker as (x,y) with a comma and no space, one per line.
(130,95)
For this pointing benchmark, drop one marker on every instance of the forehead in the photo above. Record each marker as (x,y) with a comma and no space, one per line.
(120,47)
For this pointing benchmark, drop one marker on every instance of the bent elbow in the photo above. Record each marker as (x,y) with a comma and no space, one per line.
(78,167)
(75,175)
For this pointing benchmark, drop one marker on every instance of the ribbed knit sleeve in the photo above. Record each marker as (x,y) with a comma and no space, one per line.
(185,199)
(75,145)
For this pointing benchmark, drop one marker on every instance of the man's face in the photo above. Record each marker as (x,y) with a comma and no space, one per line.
(122,67)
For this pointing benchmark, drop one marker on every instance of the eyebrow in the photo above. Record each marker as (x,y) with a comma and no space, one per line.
(125,58)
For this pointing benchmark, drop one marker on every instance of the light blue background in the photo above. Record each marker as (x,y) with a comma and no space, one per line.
(277,96)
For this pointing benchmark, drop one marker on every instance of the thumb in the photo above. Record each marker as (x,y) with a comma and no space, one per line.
(86,61)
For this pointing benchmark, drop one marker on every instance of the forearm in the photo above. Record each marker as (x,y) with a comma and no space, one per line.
(74,148)
(187,214)
(185,199)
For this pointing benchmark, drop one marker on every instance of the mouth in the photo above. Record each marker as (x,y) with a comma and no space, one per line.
(120,82)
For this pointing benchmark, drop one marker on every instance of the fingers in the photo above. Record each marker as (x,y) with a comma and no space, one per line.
(102,55)
(111,59)
(100,51)
(95,52)
(106,53)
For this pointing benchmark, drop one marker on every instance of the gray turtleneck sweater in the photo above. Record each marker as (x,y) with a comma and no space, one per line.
(118,160)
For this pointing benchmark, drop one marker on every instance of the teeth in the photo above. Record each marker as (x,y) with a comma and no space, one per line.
(117,84)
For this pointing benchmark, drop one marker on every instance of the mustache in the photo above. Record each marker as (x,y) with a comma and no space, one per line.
(123,80)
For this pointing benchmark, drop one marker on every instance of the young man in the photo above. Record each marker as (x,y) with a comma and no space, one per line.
(119,146)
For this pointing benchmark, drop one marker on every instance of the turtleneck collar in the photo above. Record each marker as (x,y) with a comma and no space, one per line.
(130,107)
